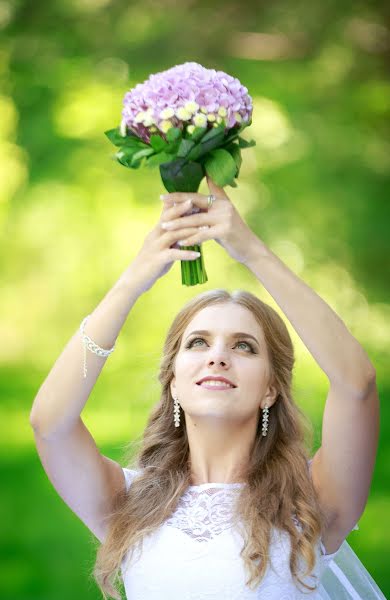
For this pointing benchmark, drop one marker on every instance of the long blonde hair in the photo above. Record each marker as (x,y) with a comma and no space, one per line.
(278,481)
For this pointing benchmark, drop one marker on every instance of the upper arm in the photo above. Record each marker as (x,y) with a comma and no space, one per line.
(343,466)
(85,479)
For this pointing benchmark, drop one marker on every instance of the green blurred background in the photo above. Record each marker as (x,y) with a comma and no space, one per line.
(314,188)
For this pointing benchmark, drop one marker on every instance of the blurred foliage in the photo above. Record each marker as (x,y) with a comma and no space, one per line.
(314,188)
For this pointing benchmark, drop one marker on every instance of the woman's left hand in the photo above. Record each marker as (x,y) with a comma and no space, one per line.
(221,222)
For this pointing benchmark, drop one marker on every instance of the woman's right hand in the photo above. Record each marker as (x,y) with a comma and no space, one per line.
(160,249)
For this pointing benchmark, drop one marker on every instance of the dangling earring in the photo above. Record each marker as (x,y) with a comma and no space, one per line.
(176,412)
(265,419)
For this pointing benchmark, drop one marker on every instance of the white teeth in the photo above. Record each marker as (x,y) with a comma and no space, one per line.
(216,383)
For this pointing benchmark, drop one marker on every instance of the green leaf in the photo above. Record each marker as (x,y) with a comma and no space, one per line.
(221,167)
(209,145)
(245,143)
(195,153)
(132,157)
(212,139)
(235,151)
(184,148)
(173,134)
(143,152)
(136,164)
(125,155)
(158,143)
(117,139)
(181,176)
(158,159)
(213,132)
(230,137)
(198,133)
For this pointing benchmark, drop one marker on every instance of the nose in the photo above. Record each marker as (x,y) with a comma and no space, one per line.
(221,362)
(218,356)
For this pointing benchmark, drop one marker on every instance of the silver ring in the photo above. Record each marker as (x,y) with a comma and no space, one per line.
(210,200)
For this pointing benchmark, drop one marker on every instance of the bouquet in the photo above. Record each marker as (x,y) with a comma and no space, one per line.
(187,120)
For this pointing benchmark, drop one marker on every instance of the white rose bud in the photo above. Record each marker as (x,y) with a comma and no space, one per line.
(191,106)
(165,125)
(139,117)
(183,114)
(200,120)
(167,113)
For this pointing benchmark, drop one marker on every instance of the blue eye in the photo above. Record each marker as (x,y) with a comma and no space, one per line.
(195,340)
(191,343)
(246,343)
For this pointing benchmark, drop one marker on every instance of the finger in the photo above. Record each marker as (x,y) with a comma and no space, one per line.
(199,200)
(170,238)
(215,189)
(201,235)
(194,220)
(173,212)
(179,254)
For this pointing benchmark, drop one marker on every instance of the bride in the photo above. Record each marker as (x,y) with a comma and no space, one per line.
(223,488)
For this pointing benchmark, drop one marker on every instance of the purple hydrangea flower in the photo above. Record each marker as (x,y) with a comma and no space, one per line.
(185,96)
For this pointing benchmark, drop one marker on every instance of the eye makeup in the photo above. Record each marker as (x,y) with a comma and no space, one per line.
(236,335)
(190,343)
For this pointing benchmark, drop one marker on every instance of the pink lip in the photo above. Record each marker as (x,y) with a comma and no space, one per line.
(216,378)
(214,387)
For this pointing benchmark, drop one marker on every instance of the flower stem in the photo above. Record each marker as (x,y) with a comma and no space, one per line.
(193,272)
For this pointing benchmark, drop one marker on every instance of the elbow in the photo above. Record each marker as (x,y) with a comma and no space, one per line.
(372,374)
(358,384)
(33,422)
(33,417)
(367,382)
(369,376)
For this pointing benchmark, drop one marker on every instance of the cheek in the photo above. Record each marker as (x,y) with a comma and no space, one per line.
(186,364)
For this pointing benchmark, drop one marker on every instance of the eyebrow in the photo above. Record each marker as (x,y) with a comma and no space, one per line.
(237,334)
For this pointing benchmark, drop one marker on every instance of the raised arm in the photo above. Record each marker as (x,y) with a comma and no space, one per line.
(342,468)
(85,479)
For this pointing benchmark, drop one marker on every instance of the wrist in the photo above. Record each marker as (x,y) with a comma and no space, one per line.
(256,251)
(132,282)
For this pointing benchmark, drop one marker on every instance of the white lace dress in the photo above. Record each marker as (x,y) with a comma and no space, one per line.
(195,554)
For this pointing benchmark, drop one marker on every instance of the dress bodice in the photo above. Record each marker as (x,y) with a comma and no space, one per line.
(195,554)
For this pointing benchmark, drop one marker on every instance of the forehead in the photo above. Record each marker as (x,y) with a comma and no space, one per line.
(225,318)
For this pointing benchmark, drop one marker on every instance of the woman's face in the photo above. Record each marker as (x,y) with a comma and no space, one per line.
(242,359)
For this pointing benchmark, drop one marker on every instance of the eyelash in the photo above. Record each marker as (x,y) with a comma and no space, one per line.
(190,343)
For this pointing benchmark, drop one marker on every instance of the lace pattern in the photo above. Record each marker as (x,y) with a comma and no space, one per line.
(204,514)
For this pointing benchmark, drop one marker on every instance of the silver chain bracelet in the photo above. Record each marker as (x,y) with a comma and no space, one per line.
(90,344)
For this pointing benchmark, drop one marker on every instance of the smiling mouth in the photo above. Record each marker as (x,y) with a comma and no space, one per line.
(213,386)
